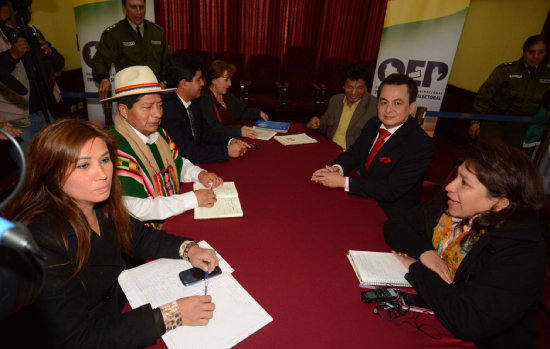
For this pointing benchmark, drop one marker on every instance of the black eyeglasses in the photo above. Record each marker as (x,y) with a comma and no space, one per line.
(407,320)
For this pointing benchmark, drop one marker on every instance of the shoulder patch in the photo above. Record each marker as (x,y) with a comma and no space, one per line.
(111,27)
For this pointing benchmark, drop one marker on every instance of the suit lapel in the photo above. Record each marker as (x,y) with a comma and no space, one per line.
(185,116)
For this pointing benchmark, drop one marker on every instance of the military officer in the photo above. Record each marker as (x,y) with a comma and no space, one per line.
(514,88)
(131,41)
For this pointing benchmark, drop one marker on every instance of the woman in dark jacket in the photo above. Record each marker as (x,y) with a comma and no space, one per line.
(478,259)
(220,108)
(72,204)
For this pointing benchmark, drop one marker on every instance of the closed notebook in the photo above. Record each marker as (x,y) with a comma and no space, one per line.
(278,126)
(378,269)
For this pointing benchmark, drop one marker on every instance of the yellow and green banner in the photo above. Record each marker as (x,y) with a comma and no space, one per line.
(420,39)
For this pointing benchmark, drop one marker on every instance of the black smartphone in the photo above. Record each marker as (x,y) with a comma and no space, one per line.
(190,276)
(379,295)
(412,302)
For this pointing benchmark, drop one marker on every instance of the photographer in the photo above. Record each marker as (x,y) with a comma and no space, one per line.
(27,62)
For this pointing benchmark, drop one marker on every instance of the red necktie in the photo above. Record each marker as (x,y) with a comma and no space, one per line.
(382,135)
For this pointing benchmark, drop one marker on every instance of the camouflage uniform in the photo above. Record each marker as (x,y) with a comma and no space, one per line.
(510,91)
(121,45)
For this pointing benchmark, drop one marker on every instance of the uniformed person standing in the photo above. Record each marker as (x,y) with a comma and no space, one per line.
(514,88)
(132,41)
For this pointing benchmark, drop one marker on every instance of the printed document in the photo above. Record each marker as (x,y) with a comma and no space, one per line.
(237,314)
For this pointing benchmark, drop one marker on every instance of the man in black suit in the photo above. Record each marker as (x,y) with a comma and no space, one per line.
(392,153)
(182,119)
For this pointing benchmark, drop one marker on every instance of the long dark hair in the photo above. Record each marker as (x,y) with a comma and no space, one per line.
(507,172)
(52,157)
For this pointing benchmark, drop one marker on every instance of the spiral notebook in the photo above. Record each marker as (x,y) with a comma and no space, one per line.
(378,269)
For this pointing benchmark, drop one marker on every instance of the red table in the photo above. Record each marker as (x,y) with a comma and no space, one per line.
(289,251)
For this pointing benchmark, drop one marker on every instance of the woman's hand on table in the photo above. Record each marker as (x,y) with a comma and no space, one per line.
(205,197)
(248,133)
(210,179)
(433,262)
(264,116)
(196,310)
(203,258)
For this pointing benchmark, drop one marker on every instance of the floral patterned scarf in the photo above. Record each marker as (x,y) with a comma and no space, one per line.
(447,239)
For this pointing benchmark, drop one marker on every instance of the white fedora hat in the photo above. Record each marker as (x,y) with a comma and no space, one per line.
(136,80)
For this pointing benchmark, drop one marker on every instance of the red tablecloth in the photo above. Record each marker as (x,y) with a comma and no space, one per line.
(289,251)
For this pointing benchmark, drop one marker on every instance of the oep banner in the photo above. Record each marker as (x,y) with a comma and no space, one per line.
(420,39)
(92,18)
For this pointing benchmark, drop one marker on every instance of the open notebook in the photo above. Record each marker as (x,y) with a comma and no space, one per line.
(236,317)
(378,269)
(227,204)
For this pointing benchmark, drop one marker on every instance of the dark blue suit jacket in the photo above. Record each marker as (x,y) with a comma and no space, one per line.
(394,178)
(175,121)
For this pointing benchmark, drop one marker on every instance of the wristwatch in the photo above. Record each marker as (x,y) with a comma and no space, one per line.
(186,250)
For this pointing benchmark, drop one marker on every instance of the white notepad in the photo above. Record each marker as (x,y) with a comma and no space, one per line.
(296,139)
(227,204)
(237,314)
(263,134)
(378,269)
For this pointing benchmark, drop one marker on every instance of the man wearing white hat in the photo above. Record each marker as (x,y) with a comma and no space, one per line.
(149,165)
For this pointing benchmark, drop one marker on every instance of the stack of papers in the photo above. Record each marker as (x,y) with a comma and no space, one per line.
(263,134)
(300,138)
(227,204)
(236,317)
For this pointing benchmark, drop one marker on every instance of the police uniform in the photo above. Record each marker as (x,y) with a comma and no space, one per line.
(120,44)
(510,90)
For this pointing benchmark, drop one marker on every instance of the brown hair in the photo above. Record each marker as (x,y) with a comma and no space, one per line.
(217,68)
(53,155)
(507,172)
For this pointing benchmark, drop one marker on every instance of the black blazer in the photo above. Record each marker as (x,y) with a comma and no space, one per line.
(85,311)
(239,111)
(395,181)
(175,121)
(497,287)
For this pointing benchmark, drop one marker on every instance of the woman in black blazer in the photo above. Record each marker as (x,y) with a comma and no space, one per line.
(72,204)
(478,258)
(220,108)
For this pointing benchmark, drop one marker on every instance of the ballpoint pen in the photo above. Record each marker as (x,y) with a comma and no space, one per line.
(206,278)
(205,282)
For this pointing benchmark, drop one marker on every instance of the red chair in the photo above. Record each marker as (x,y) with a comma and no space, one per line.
(265,88)
(298,77)
(330,80)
